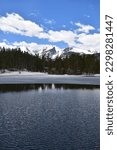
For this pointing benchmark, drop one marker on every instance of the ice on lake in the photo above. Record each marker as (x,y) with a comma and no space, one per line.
(38,78)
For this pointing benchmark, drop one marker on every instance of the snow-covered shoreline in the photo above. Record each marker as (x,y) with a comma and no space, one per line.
(21,73)
(28,73)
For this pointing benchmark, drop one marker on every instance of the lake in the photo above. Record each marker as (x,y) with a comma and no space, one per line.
(49,117)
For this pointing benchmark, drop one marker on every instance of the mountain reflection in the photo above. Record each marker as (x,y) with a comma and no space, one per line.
(27,87)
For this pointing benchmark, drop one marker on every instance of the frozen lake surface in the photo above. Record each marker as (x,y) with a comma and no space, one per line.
(40,78)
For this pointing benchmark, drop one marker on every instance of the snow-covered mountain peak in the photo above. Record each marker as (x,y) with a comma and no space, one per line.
(50,51)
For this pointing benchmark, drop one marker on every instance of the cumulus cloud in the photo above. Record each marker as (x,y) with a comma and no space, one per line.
(84,28)
(80,38)
(14,23)
(89,42)
(65,36)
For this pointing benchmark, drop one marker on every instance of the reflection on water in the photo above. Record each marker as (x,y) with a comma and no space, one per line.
(49,117)
(27,87)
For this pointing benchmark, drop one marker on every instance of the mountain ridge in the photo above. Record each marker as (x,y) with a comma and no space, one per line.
(54,52)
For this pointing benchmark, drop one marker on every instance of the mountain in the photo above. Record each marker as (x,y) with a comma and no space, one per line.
(53,52)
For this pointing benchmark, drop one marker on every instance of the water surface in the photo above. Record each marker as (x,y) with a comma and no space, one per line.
(49,117)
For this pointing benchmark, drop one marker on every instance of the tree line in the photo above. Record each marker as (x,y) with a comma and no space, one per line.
(15,59)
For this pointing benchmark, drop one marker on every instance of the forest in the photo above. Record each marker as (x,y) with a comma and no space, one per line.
(15,59)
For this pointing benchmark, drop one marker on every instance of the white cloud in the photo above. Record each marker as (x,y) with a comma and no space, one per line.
(89,42)
(84,43)
(80,38)
(84,28)
(65,36)
(14,23)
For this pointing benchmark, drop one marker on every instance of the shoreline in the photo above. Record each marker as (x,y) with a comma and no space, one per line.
(26,73)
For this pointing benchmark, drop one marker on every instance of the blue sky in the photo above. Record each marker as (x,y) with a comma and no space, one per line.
(69,18)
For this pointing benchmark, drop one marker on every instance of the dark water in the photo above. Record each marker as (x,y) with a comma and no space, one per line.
(49,117)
